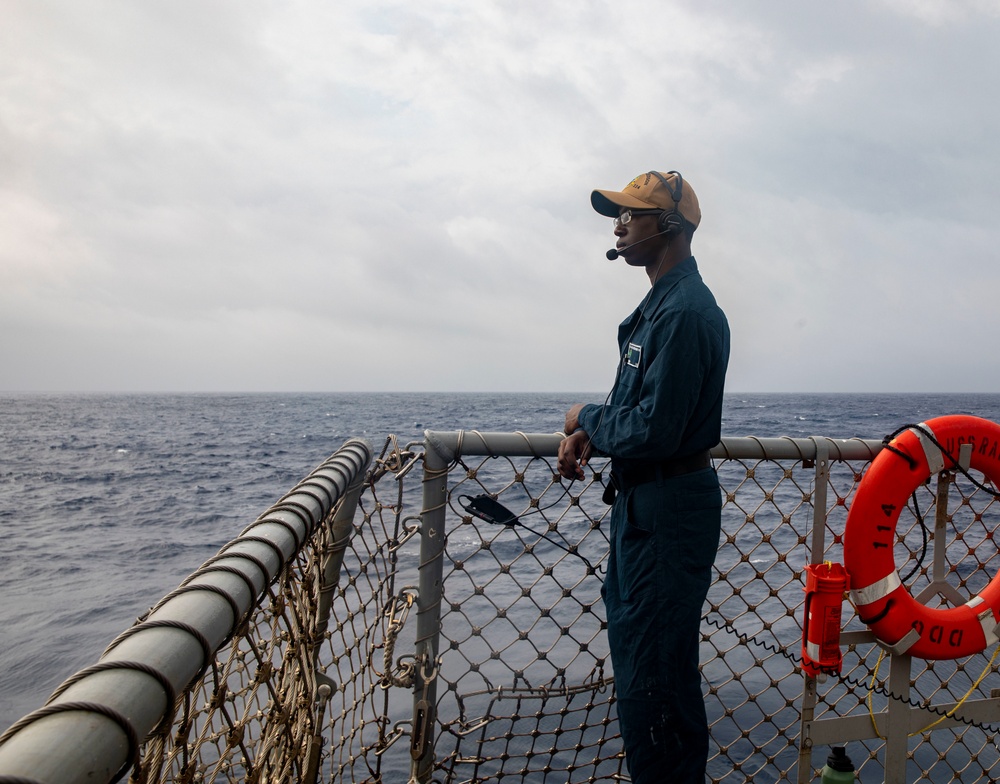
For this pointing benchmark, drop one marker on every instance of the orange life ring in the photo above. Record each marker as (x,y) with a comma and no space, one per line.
(882,601)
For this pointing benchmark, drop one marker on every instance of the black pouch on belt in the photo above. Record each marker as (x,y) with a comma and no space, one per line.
(610,489)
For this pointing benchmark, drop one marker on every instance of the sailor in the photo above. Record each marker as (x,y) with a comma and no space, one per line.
(657,425)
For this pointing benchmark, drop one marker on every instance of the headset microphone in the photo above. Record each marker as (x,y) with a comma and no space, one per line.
(614,253)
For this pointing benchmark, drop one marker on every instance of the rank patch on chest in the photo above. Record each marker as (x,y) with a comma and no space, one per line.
(633,355)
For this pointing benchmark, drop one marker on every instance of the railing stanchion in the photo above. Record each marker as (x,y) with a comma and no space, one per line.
(817,547)
(432,522)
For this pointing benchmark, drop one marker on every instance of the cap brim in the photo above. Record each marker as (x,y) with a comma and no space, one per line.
(610,203)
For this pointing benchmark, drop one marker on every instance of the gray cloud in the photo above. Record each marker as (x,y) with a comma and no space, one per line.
(389,195)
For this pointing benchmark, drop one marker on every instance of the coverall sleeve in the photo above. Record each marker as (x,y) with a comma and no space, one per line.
(684,345)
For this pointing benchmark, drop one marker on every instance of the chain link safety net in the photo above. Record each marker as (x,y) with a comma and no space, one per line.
(523,683)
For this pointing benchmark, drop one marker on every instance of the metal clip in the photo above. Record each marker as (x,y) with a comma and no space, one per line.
(423,711)
(397,619)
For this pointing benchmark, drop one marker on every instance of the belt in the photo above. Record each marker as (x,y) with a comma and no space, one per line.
(633,476)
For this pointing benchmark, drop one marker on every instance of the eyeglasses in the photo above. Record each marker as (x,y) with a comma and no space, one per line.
(626,217)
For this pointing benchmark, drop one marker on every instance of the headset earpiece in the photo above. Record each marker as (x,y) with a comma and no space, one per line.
(671,222)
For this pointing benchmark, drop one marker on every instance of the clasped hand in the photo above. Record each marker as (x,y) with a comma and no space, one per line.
(574,450)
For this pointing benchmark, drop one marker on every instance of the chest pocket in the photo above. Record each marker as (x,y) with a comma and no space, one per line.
(632,366)
(633,355)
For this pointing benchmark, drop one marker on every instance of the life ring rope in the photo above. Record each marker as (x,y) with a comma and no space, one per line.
(876,618)
(926,436)
(881,598)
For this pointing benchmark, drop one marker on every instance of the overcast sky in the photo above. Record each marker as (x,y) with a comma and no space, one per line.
(395,195)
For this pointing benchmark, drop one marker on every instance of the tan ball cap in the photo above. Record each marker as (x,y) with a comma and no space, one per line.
(651,192)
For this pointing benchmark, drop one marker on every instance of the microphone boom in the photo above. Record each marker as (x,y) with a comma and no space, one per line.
(614,253)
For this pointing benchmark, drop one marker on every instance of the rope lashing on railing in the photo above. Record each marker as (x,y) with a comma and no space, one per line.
(393,459)
(174,644)
(65,708)
(117,664)
(397,611)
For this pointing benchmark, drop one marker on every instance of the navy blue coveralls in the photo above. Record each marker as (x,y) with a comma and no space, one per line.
(664,413)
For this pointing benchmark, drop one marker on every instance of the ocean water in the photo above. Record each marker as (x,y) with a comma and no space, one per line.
(108,501)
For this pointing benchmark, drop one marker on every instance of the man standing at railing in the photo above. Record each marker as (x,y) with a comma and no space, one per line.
(658,423)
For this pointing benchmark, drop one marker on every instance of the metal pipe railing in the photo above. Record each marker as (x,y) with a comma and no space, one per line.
(91,728)
(449,445)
